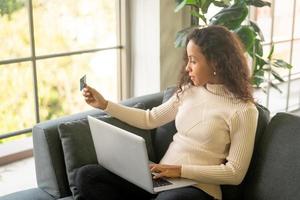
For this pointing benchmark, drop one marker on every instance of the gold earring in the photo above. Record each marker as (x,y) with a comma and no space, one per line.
(215,73)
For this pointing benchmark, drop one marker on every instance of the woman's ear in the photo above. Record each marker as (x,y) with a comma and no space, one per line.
(213,66)
(215,73)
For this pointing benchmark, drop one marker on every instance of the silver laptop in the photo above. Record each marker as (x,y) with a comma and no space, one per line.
(125,154)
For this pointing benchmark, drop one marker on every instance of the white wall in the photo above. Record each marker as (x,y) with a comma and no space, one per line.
(155,61)
(145,46)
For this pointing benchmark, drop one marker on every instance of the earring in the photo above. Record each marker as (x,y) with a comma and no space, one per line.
(215,73)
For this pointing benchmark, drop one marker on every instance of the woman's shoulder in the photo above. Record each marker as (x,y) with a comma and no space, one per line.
(246,107)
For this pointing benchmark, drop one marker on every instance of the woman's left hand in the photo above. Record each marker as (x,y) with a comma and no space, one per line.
(160,170)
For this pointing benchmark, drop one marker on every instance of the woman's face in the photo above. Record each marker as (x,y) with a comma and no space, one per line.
(197,67)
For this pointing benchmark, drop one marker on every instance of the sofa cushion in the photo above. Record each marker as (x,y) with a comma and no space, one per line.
(164,134)
(29,194)
(79,149)
(277,163)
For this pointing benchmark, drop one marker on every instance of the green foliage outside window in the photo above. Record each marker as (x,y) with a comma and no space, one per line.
(7,7)
(56,23)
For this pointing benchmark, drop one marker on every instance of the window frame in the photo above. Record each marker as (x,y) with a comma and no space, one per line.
(291,76)
(123,59)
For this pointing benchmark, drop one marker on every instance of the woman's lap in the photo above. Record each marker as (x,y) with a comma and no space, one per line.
(95,182)
(186,193)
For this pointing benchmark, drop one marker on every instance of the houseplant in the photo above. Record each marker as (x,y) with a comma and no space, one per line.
(234,15)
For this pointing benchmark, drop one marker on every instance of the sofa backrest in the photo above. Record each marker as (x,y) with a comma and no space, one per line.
(276,170)
(235,192)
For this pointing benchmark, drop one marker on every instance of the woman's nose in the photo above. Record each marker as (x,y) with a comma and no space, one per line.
(187,67)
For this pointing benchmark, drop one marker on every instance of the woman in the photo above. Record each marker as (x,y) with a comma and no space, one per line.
(215,118)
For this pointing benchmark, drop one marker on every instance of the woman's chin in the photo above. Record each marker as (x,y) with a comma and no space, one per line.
(195,83)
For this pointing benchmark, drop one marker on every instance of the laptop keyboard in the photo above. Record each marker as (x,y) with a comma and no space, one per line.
(160,182)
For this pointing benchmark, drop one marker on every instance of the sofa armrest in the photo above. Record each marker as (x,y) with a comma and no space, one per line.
(48,153)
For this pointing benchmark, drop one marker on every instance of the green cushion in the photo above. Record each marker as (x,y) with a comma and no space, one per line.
(79,149)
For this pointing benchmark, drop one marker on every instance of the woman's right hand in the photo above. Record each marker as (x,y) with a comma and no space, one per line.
(94,98)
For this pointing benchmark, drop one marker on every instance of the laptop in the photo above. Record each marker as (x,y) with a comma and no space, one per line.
(125,154)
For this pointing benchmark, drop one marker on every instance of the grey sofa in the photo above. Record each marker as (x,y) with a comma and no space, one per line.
(274,171)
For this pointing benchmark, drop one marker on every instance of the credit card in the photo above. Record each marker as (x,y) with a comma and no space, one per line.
(82,82)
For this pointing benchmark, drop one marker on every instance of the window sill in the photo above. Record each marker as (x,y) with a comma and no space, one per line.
(15,150)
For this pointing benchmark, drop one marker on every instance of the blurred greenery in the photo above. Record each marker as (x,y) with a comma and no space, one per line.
(60,26)
(7,7)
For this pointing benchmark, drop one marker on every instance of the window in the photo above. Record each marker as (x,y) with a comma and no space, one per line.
(46,46)
(280,25)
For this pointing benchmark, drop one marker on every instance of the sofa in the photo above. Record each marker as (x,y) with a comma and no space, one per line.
(62,145)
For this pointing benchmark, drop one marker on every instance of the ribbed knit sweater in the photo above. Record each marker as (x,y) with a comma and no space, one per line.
(215,134)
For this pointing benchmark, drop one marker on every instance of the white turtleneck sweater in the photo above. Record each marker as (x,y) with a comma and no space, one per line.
(215,137)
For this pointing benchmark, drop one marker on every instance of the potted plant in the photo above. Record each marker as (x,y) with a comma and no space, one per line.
(234,16)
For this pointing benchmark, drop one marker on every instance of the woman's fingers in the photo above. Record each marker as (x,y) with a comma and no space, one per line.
(88,98)
(157,171)
(154,168)
(156,176)
(161,174)
(165,170)
(94,98)
(87,92)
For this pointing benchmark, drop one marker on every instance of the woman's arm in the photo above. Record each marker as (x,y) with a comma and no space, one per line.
(242,133)
(145,119)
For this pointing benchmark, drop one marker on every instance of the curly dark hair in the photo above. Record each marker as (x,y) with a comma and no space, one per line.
(225,52)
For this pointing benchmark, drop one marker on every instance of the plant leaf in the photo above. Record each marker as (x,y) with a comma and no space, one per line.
(199,3)
(181,36)
(260,61)
(275,86)
(258,77)
(257,53)
(231,17)
(258,47)
(279,63)
(271,52)
(180,6)
(180,40)
(276,75)
(184,3)
(257,30)
(247,36)
(226,2)
(196,14)
(205,6)
(258,3)
(220,4)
